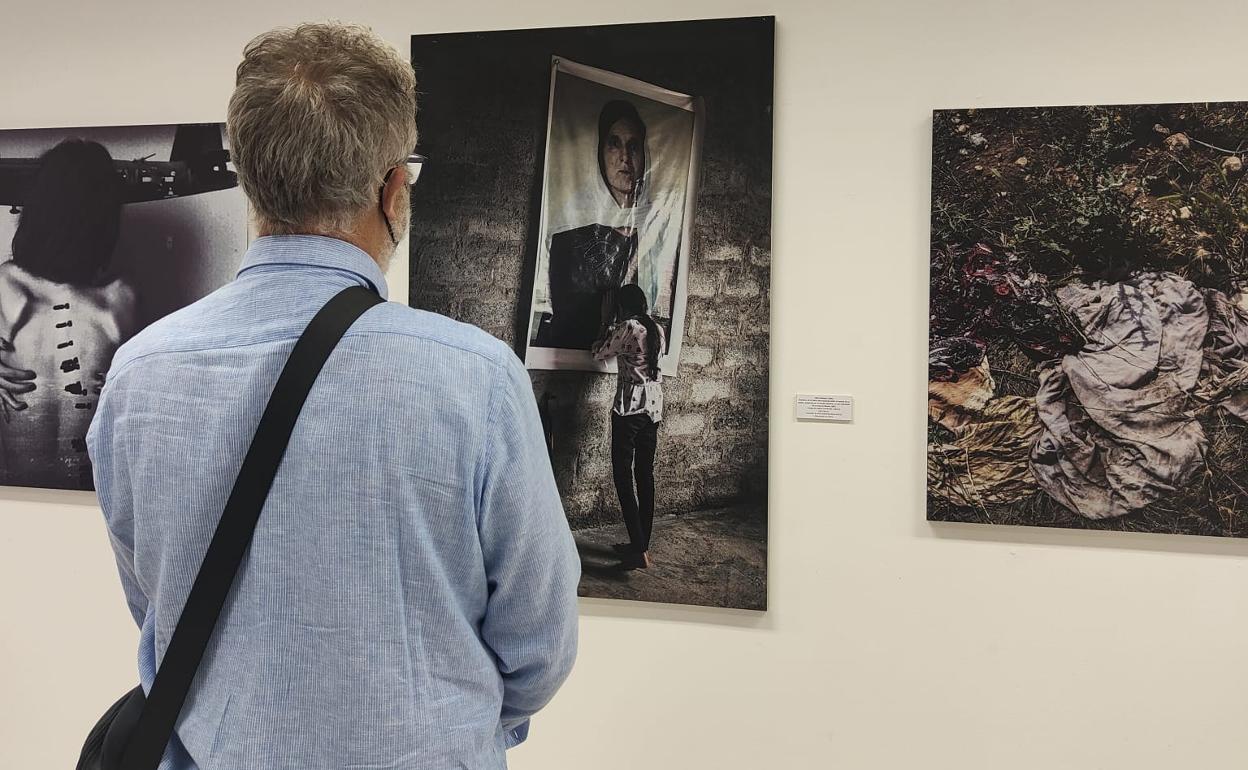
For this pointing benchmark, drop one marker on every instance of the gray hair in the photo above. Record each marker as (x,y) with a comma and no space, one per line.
(319,113)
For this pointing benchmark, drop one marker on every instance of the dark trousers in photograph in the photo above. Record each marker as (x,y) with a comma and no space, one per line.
(634,440)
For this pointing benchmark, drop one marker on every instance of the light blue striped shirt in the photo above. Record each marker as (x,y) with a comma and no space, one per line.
(409,599)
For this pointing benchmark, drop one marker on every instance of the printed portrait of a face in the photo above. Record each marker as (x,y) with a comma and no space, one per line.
(618,175)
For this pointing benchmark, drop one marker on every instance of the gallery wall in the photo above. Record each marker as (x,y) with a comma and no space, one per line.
(889,642)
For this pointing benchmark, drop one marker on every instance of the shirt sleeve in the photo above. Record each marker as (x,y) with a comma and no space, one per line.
(531,563)
(611,344)
(113,490)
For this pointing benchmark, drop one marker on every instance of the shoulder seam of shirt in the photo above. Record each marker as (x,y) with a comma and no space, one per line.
(356,333)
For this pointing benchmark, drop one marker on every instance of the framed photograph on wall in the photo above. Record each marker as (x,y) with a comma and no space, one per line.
(1088,341)
(618,194)
(565,168)
(104,230)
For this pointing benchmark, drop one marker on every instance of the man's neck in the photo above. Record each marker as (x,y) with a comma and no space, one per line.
(379,252)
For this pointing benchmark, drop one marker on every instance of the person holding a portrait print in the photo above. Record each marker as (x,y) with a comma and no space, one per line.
(636,342)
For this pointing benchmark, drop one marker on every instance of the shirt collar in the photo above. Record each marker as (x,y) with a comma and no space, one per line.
(315,251)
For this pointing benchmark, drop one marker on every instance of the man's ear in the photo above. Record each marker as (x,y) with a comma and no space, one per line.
(392,193)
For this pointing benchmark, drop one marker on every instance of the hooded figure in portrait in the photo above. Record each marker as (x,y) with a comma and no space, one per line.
(591,261)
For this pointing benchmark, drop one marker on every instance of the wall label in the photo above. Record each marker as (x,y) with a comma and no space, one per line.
(825,408)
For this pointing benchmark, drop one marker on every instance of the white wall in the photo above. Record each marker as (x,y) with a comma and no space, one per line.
(890,643)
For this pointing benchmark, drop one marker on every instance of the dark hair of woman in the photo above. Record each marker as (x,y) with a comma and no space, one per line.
(72,215)
(612,113)
(631,301)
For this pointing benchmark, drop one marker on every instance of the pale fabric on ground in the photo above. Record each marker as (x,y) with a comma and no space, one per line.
(1224,375)
(986,463)
(960,402)
(1118,416)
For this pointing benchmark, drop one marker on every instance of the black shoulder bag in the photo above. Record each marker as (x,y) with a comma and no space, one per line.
(133,733)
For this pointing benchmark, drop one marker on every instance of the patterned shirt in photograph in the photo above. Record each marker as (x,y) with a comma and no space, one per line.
(409,599)
(635,392)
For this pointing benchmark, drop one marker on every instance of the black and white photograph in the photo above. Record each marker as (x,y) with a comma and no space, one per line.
(104,231)
(617,204)
(600,199)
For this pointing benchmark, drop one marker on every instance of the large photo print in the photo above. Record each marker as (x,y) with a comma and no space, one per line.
(618,195)
(600,199)
(1088,351)
(104,230)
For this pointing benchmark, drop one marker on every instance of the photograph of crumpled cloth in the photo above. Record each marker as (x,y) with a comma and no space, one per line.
(957,403)
(1224,374)
(1119,423)
(980,294)
(1088,320)
(986,461)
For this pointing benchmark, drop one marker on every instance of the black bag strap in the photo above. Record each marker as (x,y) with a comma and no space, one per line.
(237,525)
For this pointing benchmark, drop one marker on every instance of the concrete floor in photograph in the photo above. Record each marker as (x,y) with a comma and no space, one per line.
(714,558)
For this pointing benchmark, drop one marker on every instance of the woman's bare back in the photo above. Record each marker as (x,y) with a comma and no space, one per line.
(67,334)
